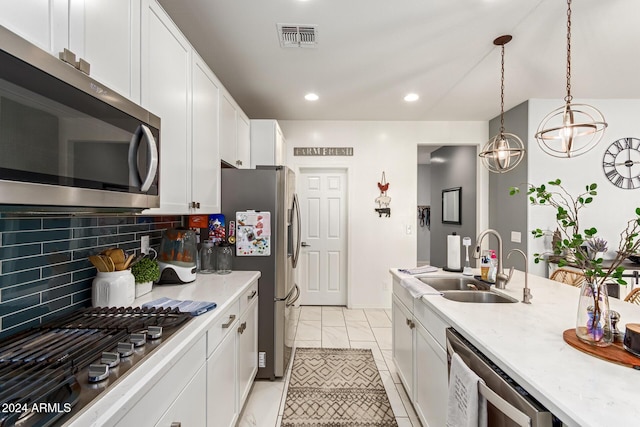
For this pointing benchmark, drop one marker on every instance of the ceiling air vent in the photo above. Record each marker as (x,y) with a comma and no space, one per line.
(294,35)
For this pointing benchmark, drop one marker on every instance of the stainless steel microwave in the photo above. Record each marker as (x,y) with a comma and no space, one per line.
(69,143)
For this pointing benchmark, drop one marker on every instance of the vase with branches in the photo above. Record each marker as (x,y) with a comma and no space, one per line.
(580,247)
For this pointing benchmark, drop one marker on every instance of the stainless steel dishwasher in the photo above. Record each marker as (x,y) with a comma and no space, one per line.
(508,404)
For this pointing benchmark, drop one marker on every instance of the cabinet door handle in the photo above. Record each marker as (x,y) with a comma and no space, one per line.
(253,294)
(176,424)
(232,317)
(411,324)
(242,327)
(197,205)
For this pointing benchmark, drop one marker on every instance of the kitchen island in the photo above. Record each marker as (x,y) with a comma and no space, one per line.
(525,340)
(175,382)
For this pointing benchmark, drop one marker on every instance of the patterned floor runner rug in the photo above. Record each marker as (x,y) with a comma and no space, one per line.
(336,387)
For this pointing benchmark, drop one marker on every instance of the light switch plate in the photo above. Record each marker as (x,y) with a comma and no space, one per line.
(516,237)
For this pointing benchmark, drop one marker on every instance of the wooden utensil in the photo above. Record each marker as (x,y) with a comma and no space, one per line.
(98,263)
(127,263)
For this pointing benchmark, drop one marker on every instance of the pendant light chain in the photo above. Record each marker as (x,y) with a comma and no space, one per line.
(502,95)
(568,98)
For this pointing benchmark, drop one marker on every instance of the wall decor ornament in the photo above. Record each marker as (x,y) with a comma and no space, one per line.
(383,200)
(621,163)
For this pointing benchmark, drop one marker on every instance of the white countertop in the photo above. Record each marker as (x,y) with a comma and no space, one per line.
(526,342)
(111,405)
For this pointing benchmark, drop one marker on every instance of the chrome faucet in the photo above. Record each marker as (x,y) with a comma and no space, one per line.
(526,292)
(501,278)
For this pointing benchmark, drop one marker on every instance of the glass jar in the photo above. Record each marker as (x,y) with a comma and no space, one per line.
(224,258)
(207,258)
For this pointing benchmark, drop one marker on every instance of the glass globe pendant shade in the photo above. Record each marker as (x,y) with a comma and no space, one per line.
(571,130)
(502,153)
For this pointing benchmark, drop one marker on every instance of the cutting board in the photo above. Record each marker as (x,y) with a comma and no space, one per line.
(614,353)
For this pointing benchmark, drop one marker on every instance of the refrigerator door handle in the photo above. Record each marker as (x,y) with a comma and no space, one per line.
(296,254)
(290,303)
(286,296)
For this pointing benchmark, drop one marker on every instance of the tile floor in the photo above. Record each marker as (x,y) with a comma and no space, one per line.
(334,327)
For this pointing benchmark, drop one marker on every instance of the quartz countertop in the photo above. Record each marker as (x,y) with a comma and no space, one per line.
(116,401)
(525,340)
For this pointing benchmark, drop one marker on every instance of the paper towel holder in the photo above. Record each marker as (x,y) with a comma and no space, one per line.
(451,201)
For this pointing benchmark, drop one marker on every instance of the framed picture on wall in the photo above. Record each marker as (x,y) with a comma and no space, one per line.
(451,201)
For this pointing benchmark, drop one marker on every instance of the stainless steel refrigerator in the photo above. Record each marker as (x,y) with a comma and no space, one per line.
(269,189)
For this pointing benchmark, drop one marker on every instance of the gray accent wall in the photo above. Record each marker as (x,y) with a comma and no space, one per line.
(455,167)
(509,213)
(424,199)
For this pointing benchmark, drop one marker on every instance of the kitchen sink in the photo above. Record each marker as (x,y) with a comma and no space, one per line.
(455,283)
(476,297)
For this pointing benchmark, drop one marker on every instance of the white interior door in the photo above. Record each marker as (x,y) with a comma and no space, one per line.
(323,261)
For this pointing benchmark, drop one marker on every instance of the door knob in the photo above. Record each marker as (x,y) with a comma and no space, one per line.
(304,244)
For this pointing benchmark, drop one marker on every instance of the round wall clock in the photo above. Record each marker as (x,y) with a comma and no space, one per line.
(621,163)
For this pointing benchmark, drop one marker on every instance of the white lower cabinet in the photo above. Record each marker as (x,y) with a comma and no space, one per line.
(431,382)
(172,391)
(189,409)
(402,336)
(209,384)
(232,366)
(247,350)
(222,408)
(420,356)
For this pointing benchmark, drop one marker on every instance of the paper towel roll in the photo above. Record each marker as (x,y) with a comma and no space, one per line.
(453,252)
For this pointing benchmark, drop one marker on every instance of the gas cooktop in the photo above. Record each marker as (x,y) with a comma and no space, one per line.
(47,374)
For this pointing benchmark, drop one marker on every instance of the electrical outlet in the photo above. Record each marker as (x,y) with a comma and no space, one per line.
(144,244)
(516,237)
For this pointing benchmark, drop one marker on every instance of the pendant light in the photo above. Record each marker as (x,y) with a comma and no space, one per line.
(504,151)
(572,129)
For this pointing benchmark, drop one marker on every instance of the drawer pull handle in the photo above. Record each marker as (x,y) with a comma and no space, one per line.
(253,294)
(176,424)
(232,317)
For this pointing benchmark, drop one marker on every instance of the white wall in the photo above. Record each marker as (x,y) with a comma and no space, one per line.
(612,207)
(377,244)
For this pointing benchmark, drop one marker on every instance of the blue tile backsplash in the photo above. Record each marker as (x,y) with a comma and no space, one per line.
(44,270)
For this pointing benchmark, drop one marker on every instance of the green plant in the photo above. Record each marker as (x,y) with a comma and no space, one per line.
(574,239)
(146,270)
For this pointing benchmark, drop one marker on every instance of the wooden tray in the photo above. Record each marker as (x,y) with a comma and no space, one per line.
(614,353)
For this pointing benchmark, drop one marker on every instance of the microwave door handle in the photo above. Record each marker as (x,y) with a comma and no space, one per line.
(296,255)
(152,162)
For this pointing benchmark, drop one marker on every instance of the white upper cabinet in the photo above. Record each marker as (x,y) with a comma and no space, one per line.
(43,23)
(166,92)
(243,148)
(205,161)
(228,129)
(268,146)
(105,33)
(235,134)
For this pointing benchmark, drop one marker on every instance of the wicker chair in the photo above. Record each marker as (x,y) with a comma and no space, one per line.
(570,277)
(634,296)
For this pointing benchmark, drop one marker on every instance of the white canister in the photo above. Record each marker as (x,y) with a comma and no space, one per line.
(113,289)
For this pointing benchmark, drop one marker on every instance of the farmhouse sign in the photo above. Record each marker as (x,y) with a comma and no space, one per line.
(323,151)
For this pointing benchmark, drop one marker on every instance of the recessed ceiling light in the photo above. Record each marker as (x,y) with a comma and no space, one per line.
(311,97)
(411,97)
